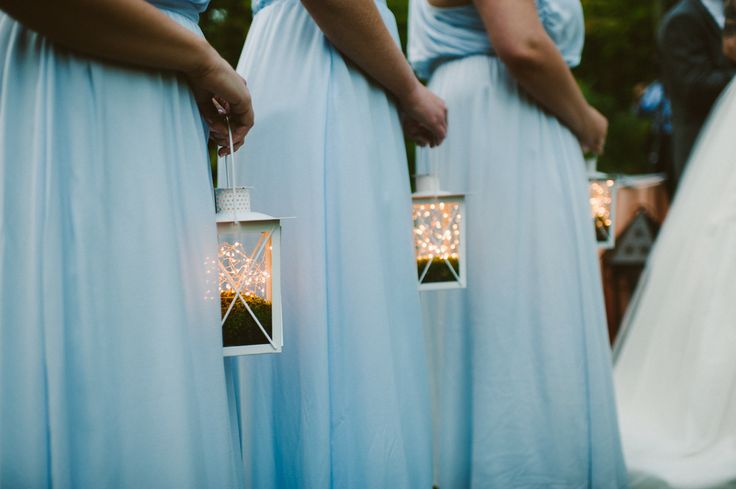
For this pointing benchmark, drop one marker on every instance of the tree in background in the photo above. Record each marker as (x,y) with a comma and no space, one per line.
(225,25)
(620,53)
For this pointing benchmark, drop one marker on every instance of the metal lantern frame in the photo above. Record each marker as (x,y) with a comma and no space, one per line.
(429,195)
(269,228)
(234,215)
(603,206)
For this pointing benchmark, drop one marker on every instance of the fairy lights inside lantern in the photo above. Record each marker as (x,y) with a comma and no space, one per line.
(439,236)
(247,270)
(603,208)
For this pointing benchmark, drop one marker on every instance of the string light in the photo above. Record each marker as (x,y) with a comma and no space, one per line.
(238,271)
(437,230)
(601,199)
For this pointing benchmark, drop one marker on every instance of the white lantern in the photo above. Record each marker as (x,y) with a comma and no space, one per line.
(248,269)
(439,235)
(603,208)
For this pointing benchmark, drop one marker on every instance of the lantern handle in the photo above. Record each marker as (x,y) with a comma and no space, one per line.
(434,171)
(232,155)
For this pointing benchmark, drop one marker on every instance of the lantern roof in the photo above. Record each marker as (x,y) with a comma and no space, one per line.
(437,194)
(250,216)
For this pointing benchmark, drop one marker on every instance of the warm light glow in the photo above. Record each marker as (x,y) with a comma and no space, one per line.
(239,271)
(436,230)
(601,198)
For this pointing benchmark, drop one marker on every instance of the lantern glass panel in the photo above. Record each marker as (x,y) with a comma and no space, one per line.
(439,241)
(602,206)
(246,285)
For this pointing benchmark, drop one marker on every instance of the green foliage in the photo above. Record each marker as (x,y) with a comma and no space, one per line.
(400,9)
(628,135)
(225,24)
(620,52)
(619,46)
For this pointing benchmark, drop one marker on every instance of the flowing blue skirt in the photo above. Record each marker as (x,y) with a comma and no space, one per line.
(111,371)
(522,382)
(347,402)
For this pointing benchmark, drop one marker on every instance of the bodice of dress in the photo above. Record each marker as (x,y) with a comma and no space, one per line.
(188,8)
(441,34)
(260,4)
(257,5)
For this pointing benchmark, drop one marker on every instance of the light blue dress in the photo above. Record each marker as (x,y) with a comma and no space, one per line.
(522,370)
(346,405)
(111,371)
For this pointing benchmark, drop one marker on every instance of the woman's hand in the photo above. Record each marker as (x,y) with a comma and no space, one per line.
(593,131)
(221,92)
(423,116)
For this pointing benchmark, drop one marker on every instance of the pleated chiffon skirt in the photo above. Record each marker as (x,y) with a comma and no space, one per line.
(111,370)
(522,388)
(346,405)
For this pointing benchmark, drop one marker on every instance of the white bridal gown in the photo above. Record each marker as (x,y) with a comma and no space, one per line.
(675,370)
(111,371)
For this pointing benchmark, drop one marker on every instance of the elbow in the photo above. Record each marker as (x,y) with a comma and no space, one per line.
(522,55)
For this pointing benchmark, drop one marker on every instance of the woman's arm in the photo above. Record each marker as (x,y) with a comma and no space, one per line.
(356,28)
(130,31)
(729,32)
(521,42)
(135,32)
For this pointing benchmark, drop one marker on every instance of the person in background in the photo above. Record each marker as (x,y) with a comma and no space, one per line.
(694,70)
(654,105)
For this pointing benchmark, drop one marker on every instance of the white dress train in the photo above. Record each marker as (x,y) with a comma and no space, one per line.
(675,370)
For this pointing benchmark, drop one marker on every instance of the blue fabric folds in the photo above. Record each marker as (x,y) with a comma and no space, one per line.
(522,383)
(440,34)
(346,405)
(111,370)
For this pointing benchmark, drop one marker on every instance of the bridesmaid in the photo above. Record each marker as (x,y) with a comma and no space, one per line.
(111,372)
(522,372)
(347,402)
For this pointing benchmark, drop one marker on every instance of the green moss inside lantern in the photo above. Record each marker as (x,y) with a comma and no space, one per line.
(240,329)
(438,270)
(602,228)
